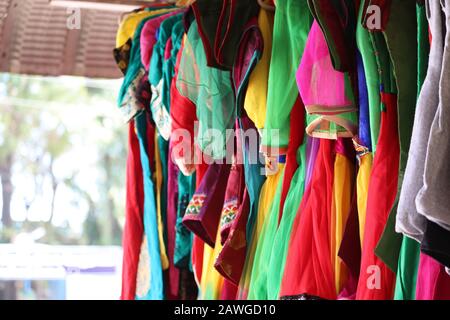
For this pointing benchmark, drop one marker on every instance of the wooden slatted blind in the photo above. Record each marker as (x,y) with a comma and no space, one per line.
(35,39)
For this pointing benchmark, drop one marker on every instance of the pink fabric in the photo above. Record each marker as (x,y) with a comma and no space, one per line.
(433,283)
(318,82)
(148,37)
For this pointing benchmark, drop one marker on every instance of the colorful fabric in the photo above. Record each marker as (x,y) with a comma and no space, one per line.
(376,281)
(203,213)
(309,272)
(266,200)
(256,95)
(343,185)
(211,91)
(134,226)
(161,73)
(332,113)
(292,23)
(156,289)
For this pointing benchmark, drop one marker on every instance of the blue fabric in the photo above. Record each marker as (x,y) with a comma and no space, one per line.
(156,291)
(364,116)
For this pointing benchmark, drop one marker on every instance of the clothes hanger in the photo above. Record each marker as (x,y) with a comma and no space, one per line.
(266,6)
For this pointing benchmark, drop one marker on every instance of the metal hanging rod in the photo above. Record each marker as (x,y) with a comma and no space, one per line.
(110,5)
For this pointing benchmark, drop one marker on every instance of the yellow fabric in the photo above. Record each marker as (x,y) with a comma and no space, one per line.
(342,200)
(256,96)
(129,24)
(159,183)
(362,181)
(184,3)
(265,202)
(212,281)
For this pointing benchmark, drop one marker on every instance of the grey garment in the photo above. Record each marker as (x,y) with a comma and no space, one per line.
(409,221)
(433,200)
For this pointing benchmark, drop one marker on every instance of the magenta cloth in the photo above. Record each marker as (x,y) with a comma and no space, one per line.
(229,290)
(148,36)
(319,84)
(433,283)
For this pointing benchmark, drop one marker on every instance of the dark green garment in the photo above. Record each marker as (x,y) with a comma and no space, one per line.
(401,39)
(183,237)
(408,264)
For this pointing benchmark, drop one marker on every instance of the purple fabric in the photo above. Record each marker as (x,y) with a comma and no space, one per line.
(364,119)
(204,211)
(312,148)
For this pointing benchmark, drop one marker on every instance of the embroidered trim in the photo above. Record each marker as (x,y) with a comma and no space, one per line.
(229,212)
(196,204)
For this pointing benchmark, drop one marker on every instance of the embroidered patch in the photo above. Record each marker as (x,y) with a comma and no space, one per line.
(229,212)
(196,204)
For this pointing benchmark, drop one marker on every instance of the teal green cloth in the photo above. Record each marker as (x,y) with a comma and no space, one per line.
(161,71)
(135,63)
(211,90)
(156,291)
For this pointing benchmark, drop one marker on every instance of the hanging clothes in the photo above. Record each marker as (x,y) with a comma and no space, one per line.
(381,197)
(134,226)
(257,286)
(256,96)
(332,113)
(292,23)
(431,201)
(408,264)
(309,272)
(273,153)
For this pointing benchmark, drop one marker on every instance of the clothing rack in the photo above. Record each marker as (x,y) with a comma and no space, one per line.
(111,5)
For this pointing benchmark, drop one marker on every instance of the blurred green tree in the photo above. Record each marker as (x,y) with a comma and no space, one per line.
(38,128)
